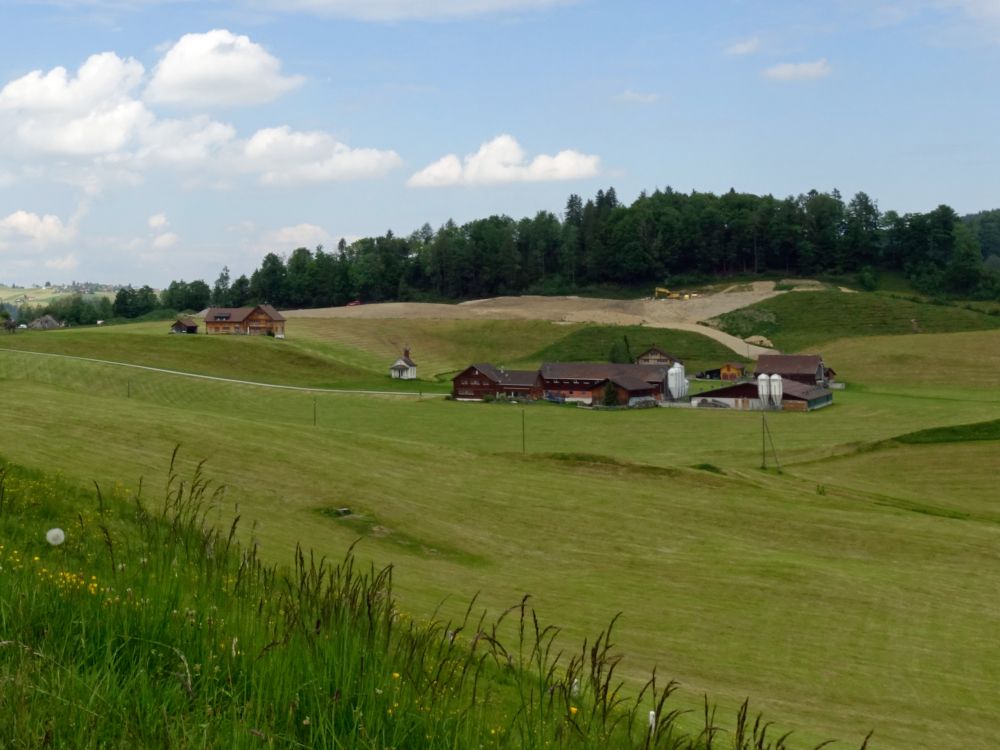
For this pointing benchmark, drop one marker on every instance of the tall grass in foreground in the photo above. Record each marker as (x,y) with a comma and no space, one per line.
(150,627)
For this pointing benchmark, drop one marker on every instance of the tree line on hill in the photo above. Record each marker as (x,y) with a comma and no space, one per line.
(663,238)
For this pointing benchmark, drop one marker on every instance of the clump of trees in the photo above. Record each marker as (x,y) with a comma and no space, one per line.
(662,237)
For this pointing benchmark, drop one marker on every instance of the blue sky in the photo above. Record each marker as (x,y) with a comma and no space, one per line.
(147,140)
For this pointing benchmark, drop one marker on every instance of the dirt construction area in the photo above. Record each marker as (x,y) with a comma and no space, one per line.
(679,314)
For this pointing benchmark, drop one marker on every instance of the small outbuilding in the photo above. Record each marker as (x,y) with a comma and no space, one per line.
(730,371)
(184,325)
(808,369)
(404,368)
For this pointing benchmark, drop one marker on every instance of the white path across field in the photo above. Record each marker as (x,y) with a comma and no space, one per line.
(304,389)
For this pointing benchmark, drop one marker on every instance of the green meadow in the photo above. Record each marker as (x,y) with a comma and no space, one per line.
(854,590)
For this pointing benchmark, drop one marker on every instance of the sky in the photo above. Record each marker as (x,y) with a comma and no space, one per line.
(143,141)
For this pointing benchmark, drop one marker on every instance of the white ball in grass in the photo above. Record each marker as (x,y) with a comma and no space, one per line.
(55,537)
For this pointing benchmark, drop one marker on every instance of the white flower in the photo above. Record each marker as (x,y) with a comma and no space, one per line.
(55,537)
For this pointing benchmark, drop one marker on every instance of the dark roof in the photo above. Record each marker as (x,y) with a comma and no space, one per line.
(186,321)
(602,371)
(406,361)
(512,378)
(239,314)
(790,389)
(632,383)
(658,350)
(789,364)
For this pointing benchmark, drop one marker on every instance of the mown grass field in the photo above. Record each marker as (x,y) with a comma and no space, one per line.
(855,591)
(802,321)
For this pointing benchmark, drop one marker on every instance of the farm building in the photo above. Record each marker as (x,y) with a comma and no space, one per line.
(745,396)
(184,325)
(44,323)
(481,380)
(404,368)
(654,355)
(262,320)
(730,371)
(808,369)
(580,381)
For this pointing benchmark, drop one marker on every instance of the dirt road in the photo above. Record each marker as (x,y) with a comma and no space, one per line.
(682,315)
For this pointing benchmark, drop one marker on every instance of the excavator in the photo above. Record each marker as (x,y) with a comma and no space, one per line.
(664,293)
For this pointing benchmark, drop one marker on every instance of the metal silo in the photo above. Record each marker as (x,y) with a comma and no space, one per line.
(764,390)
(777,390)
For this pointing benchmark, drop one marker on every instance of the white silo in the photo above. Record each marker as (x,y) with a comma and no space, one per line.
(682,379)
(674,379)
(764,390)
(777,390)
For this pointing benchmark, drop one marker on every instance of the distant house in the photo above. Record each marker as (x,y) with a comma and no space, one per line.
(654,355)
(744,396)
(44,323)
(404,368)
(729,371)
(262,320)
(478,381)
(808,369)
(184,325)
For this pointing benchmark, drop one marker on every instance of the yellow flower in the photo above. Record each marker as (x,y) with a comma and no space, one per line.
(572,710)
(395,675)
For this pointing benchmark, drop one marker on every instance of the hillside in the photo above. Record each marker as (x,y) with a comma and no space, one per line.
(663,515)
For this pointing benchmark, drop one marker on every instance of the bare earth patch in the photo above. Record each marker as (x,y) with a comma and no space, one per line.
(683,315)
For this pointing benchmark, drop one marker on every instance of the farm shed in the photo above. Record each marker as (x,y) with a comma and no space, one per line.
(730,371)
(404,368)
(744,396)
(262,320)
(808,369)
(481,380)
(578,381)
(654,355)
(184,325)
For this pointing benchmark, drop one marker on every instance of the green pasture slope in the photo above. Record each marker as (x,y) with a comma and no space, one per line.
(856,590)
(798,321)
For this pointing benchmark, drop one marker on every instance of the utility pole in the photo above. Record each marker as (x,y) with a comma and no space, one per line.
(314,411)
(522,432)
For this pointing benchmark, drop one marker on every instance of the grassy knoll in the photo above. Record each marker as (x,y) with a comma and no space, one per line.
(806,320)
(356,354)
(837,607)
(137,626)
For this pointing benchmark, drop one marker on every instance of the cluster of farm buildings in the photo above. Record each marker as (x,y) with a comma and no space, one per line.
(793,382)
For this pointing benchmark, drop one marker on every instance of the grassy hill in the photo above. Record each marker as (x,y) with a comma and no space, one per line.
(801,321)
(842,595)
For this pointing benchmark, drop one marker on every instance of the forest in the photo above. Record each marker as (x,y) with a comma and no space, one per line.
(664,238)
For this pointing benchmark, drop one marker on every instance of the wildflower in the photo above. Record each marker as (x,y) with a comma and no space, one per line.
(55,537)
(572,710)
(305,722)
(395,675)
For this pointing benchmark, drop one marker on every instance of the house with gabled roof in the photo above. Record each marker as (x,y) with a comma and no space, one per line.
(480,380)
(654,355)
(404,368)
(808,369)
(262,320)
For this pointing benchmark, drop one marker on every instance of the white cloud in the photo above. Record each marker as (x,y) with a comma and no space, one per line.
(300,235)
(90,113)
(184,142)
(64,263)
(218,68)
(282,156)
(503,160)
(22,227)
(744,47)
(390,10)
(804,71)
(158,221)
(165,240)
(635,97)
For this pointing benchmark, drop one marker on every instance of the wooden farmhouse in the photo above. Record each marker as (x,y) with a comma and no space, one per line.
(745,397)
(808,369)
(585,382)
(262,320)
(184,325)
(404,368)
(654,355)
(478,381)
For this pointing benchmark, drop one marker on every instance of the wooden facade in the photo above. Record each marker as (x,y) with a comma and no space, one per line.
(654,355)
(808,369)
(184,325)
(480,381)
(262,320)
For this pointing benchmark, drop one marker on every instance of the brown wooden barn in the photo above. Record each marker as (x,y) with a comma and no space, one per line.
(184,325)
(808,369)
(579,381)
(262,320)
(478,381)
